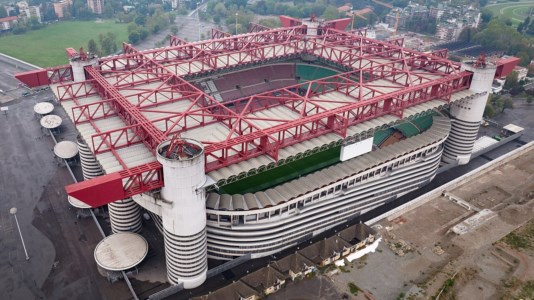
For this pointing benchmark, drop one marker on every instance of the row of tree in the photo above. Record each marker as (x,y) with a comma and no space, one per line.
(107,44)
(498,34)
(141,26)
(24,25)
(497,104)
(527,26)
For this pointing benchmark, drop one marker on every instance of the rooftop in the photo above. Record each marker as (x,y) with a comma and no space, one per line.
(132,102)
(121,251)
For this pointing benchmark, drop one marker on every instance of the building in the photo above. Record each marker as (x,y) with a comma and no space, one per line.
(294,266)
(522,72)
(96,6)
(27,11)
(235,291)
(61,7)
(8,22)
(219,140)
(265,281)
(448,31)
(348,245)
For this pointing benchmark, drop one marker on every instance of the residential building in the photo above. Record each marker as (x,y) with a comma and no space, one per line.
(8,22)
(61,7)
(96,6)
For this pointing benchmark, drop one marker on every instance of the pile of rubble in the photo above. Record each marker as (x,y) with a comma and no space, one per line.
(400,247)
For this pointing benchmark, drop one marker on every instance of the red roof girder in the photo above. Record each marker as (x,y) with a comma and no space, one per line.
(255,27)
(130,114)
(314,119)
(218,34)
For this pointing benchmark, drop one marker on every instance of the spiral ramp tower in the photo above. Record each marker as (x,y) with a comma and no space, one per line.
(124,214)
(90,167)
(467,113)
(184,211)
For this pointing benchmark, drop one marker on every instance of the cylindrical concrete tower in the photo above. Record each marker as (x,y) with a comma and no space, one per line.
(124,215)
(467,113)
(90,167)
(184,211)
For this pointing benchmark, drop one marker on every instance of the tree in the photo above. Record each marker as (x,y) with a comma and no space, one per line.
(84,14)
(467,34)
(486,16)
(19,28)
(143,33)
(3,12)
(530,29)
(330,13)
(220,10)
(507,103)
(174,29)
(108,43)
(125,18)
(133,37)
(34,23)
(108,10)
(140,20)
(92,46)
(511,81)
(49,13)
(489,111)
(270,22)
(14,12)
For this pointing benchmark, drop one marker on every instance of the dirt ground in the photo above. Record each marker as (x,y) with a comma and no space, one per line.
(435,261)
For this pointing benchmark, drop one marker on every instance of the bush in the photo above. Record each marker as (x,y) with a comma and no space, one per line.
(354,289)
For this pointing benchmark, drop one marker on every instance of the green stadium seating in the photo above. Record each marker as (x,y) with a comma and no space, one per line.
(407,129)
(312,72)
(382,135)
(423,123)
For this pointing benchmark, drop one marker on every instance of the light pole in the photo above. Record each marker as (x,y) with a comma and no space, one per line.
(352,24)
(13,211)
(198,19)
(236,14)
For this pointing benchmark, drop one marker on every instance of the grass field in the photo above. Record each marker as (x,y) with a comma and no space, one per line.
(516,11)
(46,47)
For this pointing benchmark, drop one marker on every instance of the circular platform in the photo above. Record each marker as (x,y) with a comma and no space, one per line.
(121,251)
(43,108)
(51,121)
(66,149)
(77,203)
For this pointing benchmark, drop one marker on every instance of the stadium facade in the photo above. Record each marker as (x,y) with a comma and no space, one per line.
(256,142)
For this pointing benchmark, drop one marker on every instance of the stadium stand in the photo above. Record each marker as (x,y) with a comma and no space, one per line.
(254,81)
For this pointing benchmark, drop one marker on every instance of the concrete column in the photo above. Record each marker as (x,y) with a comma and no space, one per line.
(467,114)
(184,213)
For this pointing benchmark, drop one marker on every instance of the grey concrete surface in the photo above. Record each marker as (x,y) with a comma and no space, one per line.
(25,170)
(59,246)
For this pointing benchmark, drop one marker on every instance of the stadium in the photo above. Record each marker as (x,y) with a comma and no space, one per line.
(253,143)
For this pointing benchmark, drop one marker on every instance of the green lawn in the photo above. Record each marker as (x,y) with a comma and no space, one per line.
(46,47)
(516,11)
